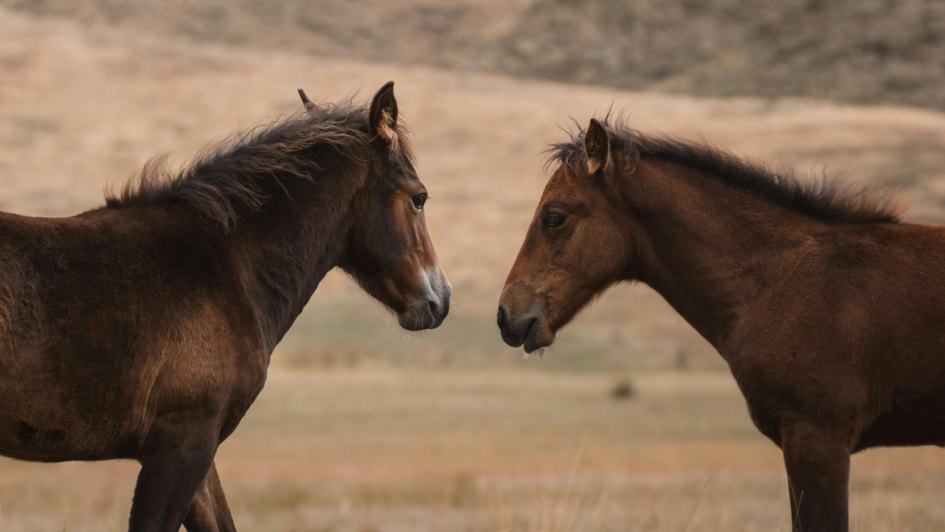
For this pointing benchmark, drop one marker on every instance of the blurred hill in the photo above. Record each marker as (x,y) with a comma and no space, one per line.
(864,51)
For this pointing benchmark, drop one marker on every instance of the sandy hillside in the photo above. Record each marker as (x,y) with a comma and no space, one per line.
(844,50)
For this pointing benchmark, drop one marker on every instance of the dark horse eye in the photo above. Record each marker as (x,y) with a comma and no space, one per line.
(553,220)
(419,200)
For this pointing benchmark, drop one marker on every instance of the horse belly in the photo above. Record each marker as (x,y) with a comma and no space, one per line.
(911,421)
(24,440)
(36,424)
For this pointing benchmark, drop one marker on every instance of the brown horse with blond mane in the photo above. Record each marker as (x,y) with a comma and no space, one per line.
(828,309)
(143,329)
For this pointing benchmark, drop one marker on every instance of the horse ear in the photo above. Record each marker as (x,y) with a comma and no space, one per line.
(384,113)
(309,106)
(597,146)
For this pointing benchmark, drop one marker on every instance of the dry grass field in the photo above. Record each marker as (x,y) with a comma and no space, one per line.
(420,450)
(363,427)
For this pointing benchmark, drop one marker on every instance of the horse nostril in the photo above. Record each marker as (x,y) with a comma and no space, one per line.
(502,318)
(434,308)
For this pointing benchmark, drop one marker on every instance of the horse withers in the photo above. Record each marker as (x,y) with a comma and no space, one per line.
(826,307)
(143,329)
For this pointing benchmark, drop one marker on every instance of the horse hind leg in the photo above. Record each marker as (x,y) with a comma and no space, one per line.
(175,461)
(209,511)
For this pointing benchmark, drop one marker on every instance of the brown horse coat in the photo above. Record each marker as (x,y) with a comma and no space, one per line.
(144,329)
(828,309)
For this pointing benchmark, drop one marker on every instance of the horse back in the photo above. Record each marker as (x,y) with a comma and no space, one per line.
(107,320)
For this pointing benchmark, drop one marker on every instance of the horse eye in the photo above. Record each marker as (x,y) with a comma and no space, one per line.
(553,220)
(419,201)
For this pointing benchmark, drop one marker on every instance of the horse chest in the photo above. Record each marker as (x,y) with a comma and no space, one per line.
(775,392)
(766,416)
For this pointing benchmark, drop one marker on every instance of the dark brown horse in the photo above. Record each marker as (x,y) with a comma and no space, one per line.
(828,310)
(143,329)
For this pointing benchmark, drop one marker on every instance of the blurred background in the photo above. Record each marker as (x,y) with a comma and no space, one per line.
(631,422)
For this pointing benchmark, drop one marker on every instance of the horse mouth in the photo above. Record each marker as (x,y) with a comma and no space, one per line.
(534,338)
(530,338)
(423,317)
(412,322)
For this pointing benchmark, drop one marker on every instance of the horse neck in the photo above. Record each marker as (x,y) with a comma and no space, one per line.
(286,249)
(711,249)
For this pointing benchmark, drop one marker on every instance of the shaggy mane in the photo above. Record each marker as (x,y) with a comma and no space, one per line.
(232,177)
(824,199)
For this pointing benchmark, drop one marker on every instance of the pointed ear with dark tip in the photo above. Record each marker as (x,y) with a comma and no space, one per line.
(309,106)
(384,113)
(597,147)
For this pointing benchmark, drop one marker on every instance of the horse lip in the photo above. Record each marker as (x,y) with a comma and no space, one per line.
(411,322)
(422,317)
(513,340)
(529,343)
(438,320)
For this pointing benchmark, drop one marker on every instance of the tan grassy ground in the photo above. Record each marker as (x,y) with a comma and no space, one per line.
(526,450)
(363,427)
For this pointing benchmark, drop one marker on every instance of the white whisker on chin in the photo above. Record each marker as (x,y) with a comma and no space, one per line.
(538,353)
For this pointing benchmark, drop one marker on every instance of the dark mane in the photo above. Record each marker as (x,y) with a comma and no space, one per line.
(233,177)
(824,199)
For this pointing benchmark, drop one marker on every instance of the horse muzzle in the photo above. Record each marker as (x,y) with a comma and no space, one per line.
(429,309)
(522,319)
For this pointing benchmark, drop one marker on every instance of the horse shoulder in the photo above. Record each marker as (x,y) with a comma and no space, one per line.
(214,359)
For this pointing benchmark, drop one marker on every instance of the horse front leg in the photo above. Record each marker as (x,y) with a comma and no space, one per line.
(818,468)
(175,460)
(209,511)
